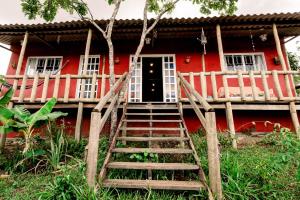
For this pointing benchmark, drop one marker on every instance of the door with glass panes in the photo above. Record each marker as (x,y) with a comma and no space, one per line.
(153,79)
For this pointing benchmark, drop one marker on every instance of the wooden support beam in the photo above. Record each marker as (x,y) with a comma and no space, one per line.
(278,47)
(78,122)
(265,86)
(93,146)
(241,85)
(102,92)
(192,82)
(230,124)
(295,119)
(81,92)
(253,86)
(214,85)
(220,47)
(15,84)
(203,62)
(213,155)
(277,84)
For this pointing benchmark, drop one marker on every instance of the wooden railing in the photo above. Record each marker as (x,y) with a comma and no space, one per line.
(114,98)
(40,87)
(240,86)
(208,121)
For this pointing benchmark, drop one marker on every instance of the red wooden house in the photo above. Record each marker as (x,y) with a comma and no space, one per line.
(234,65)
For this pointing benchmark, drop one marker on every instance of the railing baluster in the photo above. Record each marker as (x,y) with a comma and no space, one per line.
(103,83)
(253,85)
(56,86)
(265,85)
(22,89)
(226,89)
(94,79)
(34,87)
(288,86)
(45,88)
(203,85)
(192,81)
(277,84)
(214,85)
(241,85)
(67,88)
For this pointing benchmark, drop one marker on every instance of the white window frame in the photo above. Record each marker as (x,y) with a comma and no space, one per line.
(162,56)
(44,57)
(80,69)
(253,54)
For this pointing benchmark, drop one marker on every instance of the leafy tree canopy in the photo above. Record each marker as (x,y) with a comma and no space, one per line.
(47,9)
(293,60)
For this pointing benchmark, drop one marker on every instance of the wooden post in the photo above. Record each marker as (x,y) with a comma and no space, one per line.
(192,82)
(278,47)
(265,85)
(213,155)
(102,92)
(230,124)
(295,119)
(277,84)
(229,113)
(93,145)
(80,104)
(15,84)
(220,47)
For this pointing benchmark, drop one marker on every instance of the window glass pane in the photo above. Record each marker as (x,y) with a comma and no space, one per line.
(237,60)
(40,65)
(31,66)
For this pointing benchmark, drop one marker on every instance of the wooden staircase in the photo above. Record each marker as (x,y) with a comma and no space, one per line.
(160,144)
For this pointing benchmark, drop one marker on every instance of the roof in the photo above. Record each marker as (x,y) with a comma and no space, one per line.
(288,25)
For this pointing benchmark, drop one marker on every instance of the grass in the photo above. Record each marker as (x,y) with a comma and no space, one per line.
(268,170)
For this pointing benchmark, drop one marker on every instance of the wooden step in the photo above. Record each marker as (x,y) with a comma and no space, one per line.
(151,128)
(153,120)
(146,139)
(153,184)
(153,150)
(149,114)
(152,166)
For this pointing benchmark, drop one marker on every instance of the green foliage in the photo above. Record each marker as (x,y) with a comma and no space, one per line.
(4,100)
(21,120)
(47,9)
(293,60)
(144,157)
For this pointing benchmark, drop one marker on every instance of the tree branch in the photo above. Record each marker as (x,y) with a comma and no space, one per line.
(112,18)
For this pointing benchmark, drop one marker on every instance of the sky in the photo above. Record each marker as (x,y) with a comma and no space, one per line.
(11,13)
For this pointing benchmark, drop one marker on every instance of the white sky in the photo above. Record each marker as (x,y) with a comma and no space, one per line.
(11,13)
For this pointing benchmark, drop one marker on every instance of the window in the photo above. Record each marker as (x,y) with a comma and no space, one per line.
(43,65)
(245,62)
(92,67)
(169,79)
(135,89)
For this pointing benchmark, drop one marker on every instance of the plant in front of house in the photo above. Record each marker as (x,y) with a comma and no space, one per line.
(21,120)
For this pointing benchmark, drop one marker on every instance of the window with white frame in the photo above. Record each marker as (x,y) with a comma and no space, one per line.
(43,65)
(92,67)
(245,62)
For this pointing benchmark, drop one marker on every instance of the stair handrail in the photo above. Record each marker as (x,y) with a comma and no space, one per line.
(194,92)
(116,88)
(97,124)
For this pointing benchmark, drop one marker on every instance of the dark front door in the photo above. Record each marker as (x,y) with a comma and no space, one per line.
(152,79)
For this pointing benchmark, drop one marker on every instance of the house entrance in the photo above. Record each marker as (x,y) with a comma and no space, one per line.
(152,79)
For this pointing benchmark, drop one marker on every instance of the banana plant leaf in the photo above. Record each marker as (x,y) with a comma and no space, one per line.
(4,100)
(21,113)
(5,114)
(42,112)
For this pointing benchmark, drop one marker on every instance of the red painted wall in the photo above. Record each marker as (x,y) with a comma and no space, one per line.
(181,48)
